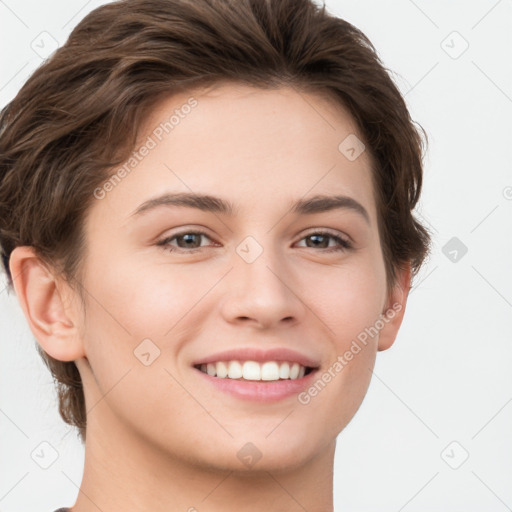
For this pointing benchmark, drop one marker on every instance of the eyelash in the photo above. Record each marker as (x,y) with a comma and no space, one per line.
(344,244)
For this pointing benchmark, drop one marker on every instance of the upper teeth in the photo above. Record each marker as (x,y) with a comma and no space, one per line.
(252,370)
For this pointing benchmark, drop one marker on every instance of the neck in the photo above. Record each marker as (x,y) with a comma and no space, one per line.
(123,471)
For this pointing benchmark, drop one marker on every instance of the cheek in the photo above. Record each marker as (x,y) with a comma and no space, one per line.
(128,314)
(338,390)
(349,299)
(134,309)
(349,302)
(144,300)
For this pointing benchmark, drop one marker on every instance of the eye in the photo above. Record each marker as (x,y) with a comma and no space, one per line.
(186,240)
(190,241)
(320,239)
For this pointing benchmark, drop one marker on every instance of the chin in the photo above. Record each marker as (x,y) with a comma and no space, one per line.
(267,455)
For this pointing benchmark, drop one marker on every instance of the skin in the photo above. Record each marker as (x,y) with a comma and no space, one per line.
(158,437)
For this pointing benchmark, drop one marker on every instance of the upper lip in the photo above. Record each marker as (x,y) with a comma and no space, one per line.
(257,354)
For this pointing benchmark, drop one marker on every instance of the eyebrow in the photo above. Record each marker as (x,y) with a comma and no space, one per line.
(208,203)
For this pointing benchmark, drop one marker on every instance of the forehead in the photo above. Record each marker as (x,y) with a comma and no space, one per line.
(256,147)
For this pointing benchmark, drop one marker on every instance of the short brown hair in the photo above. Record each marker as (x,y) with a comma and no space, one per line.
(125,56)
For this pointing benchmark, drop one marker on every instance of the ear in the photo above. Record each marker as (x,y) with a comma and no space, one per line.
(394,309)
(42,298)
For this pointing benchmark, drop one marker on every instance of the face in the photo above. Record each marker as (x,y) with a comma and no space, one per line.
(260,269)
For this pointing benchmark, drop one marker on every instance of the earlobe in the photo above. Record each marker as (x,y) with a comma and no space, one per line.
(50,321)
(393,313)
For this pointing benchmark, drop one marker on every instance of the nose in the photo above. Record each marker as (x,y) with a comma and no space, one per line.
(263,291)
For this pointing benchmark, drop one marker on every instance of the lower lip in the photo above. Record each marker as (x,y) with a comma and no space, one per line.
(260,391)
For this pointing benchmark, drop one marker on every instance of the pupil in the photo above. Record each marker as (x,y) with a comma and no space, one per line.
(316,237)
(187,237)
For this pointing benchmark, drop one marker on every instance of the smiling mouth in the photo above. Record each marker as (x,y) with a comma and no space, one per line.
(270,371)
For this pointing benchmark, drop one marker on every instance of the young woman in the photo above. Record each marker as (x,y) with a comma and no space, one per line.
(206,212)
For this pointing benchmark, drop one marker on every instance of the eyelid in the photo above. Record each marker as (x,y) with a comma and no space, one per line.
(328,231)
(190,231)
(344,242)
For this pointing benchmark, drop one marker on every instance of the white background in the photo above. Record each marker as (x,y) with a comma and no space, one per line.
(448,377)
